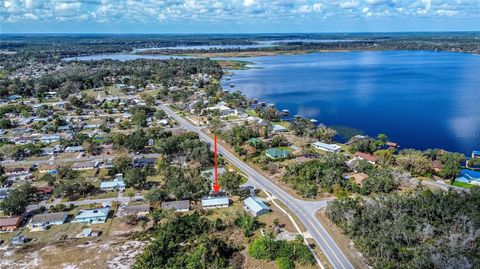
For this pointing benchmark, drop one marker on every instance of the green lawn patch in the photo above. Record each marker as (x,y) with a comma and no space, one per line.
(462,184)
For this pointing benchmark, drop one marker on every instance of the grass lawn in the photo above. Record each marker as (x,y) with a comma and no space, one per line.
(251,112)
(462,184)
(285,124)
(232,118)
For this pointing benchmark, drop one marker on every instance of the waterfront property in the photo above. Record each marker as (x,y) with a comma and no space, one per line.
(93,216)
(469,176)
(209,202)
(255,206)
(327,147)
(9,224)
(366,157)
(278,129)
(277,153)
(475,154)
(43,221)
(178,206)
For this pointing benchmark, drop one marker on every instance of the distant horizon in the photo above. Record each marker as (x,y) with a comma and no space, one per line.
(236,33)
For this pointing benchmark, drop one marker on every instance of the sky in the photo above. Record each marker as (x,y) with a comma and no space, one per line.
(237,16)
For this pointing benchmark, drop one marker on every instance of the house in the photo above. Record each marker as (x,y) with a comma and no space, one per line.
(179,206)
(45,191)
(437,165)
(47,151)
(210,173)
(276,153)
(222,108)
(475,154)
(255,142)
(469,176)
(91,126)
(74,149)
(366,157)
(15,171)
(255,206)
(142,162)
(43,221)
(93,216)
(10,223)
(391,145)
(327,147)
(47,168)
(84,165)
(50,139)
(138,210)
(357,177)
(278,129)
(24,140)
(163,122)
(112,185)
(209,202)
(39,120)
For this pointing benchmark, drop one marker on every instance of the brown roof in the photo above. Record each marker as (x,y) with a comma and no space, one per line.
(11,221)
(365,156)
(45,189)
(437,164)
(45,167)
(392,144)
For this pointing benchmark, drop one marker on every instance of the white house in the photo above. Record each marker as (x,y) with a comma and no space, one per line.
(327,147)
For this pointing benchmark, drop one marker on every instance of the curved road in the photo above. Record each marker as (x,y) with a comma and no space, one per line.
(304,210)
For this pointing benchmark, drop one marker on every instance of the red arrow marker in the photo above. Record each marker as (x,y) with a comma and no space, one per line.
(216,186)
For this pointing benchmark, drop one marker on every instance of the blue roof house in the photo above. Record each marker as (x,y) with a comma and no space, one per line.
(255,206)
(93,216)
(469,176)
(209,202)
(112,185)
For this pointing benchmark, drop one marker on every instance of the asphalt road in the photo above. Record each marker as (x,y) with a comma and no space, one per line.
(305,211)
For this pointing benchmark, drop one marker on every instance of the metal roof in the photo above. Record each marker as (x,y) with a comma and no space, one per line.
(255,204)
(215,201)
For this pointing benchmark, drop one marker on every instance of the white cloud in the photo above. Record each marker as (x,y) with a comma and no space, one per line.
(248,3)
(349,4)
(192,11)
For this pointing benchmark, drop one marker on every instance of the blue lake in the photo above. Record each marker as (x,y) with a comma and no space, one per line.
(420,99)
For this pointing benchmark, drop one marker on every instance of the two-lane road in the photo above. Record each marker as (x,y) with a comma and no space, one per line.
(304,210)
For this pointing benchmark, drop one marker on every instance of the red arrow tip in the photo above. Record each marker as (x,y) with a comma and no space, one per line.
(216,187)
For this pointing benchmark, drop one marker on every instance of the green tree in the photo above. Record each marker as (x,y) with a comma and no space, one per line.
(230,182)
(140,118)
(17,201)
(122,163)
(135,177)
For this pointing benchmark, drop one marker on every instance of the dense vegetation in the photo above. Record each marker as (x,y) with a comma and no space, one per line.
(186,242)
(284,253)
(75,76)
(423,229)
